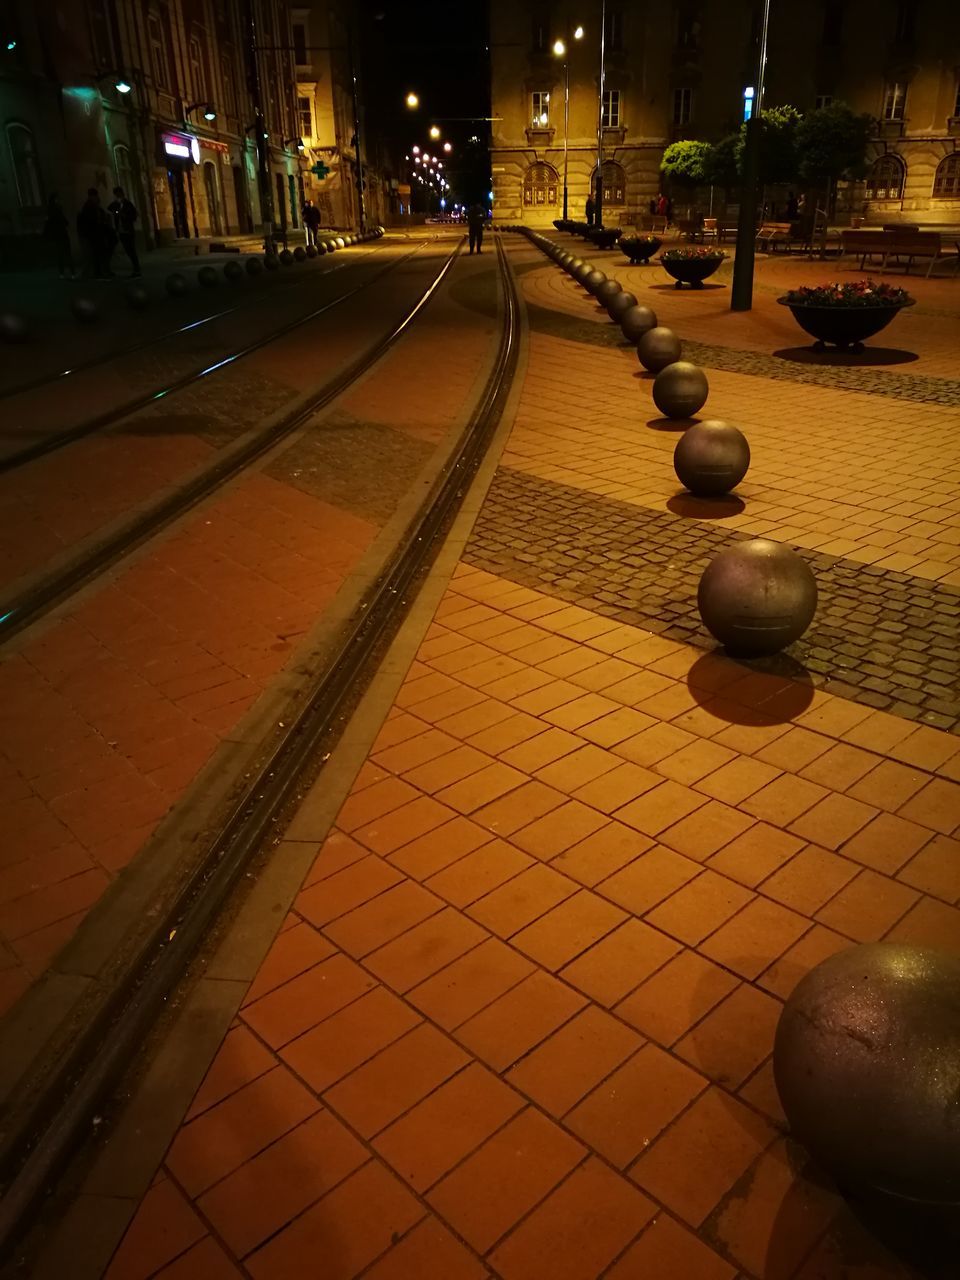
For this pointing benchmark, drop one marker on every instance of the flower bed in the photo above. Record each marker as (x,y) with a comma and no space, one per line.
(691,265)
(845,314)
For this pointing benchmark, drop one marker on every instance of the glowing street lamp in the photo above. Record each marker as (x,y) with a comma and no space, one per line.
(415,150)
(448,147)
(413,101)
(434,131)
(560,51)
(123,86)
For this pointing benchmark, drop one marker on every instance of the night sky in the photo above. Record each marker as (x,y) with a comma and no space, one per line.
(437,49)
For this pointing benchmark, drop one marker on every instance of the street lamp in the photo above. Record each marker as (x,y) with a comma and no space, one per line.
(123,86)
(208,112)
(560,51)
(741,289)
(598,200)
(413,101)
(434,131)
(448,147)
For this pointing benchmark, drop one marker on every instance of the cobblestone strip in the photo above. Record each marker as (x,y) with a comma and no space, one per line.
(895,386)
(880,637)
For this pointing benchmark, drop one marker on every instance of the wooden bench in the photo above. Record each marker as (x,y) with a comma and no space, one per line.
(774,233)
(894,244)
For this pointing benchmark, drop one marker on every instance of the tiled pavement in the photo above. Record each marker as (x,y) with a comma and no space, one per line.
(519,1019)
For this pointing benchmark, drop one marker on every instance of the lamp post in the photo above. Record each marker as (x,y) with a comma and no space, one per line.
(598,200)
(560,49)
(741,290)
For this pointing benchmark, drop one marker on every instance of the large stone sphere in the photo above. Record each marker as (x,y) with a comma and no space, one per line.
(867,1065)
(207,276)
(757,597)
(85,310)
(322,248)
(311,250)
(13,327)
(137,297)
(680,390)
(607,291)
(711,457)
(620,304)
(594,280)
(286,257)
(300,253)
(574,265)
(583,271)
(657,348)
(637,321)
(233,272)
(271,262)
(340,242)
(254,266)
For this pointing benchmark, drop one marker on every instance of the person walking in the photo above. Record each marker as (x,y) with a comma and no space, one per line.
(661,206)
(95,231)
(312,221)
(589,208)
(476,218)
(56,229)
(124,224)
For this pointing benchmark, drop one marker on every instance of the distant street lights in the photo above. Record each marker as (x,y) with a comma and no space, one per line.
(413,101)
(560,51)
(434,131)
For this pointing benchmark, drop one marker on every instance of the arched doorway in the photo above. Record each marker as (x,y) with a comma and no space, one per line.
(886,178)
(614,185)
(541,183)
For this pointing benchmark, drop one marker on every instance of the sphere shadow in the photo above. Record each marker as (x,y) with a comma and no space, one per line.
(671,424)
(847,359)
(751,691)
(644,375)
(690,506)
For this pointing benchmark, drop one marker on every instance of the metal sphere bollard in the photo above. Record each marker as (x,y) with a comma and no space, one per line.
(137,297)
(594,280)
(620,304)
(636,322)
(176,284)
(254,266)
(657,348)
(271,262)
(286,257)
(606,292)
(322,248)
(13,327)
(233,272)
(300,253)
(207,276)
(340,242)
(867,1064)
(311,250)
(680,390)
(85,310)
(757,597)
(711,458)
(582,271)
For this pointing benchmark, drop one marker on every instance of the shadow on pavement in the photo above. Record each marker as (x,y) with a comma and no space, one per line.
(693,508)
(847,359)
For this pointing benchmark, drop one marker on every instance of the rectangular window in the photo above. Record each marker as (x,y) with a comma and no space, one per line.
(894,100)
(158,53)
(614,31)
(304,118)
(539,109)
(540,35)
(102,37)
(682,104)
(611,109)
(832,23)
(823,100)
(300,44)
(198,78)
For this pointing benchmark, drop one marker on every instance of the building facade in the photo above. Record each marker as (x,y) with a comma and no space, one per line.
(680,70)
(160,97)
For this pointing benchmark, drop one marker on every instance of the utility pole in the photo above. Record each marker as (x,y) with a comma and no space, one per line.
(259,126)
(741,292)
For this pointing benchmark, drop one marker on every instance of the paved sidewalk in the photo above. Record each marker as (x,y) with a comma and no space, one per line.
(520,1017)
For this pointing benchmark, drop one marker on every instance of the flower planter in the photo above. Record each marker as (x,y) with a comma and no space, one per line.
(640,248)
(842,327)
(604,237)
(691,270)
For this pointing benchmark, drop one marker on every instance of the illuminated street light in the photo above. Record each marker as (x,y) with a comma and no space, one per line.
(415,150)
(559,48)
(413,101)
(448,147)
(578,33)
(123,86)
(434,131)
(11,45)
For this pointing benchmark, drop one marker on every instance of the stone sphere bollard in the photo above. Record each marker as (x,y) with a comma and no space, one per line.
(657,348)
(680,390)
(637,321)
(233,272)
(340,242)
(581,271)
(867,1064)
(85,310)
(594,280)
(286,257)
(711,458)
(254,266)
(620,304)
(137,297)
(607,291)
(208,278)
(300,253)
(271,262)
(757,597)
(311,251)
(322,248)
(176,285)
(13,327)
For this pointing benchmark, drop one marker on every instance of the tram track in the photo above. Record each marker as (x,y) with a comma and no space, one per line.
(83,1068)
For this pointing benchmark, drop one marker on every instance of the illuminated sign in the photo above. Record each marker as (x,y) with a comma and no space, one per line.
(748,102)
(182,145)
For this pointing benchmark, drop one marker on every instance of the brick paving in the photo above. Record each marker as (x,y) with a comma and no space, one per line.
(519,1019)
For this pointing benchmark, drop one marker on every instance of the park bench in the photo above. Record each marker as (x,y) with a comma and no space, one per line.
(773,233)
(653,223)
(898,244)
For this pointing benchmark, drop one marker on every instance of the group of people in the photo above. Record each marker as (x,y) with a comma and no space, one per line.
(99,229)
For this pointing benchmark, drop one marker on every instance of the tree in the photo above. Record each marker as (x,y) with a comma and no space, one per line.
(721,163)
(832,143)
(684,161)
(778,145)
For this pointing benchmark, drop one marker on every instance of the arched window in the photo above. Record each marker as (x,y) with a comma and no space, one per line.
(886,178)
(946,182)
(540,184)
(121,167)
(26,170)
(614,183)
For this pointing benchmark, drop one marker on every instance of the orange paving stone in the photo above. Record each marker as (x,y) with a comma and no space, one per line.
(546,1020)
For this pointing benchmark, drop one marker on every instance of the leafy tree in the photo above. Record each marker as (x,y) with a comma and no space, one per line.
(721,163)
(778,144)
(831,143)
(684,162)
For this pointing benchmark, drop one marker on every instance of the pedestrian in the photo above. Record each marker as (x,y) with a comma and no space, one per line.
(589,209)
(661,205)
(95,231)
(56,229)
(312,221)
(476,217)
(124,224)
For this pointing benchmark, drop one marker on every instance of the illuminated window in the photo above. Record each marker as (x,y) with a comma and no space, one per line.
(539,109)
(540,185)
(614,183)
(611,109)
(894,100)
(886,178)
(26,170)
(946,182)
(305,118)
(682,105)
